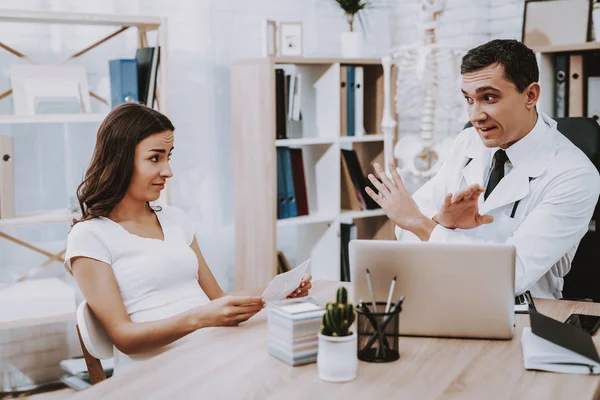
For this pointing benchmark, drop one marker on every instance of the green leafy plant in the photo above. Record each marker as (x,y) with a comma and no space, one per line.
(354,9)
(339,316)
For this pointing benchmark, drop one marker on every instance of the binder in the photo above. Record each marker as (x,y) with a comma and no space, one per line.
(561,85)
(349,200)
(282,210)
(576,80)
(299,181)
(359,180)
(343,100)
(297,98)
(7,178)
(347,233)
(123,81)
(593,98)
(359,125)
(147,59)
(280,120)
(350,104)
(292,210)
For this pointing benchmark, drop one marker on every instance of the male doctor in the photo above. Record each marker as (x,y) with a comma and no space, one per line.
(511,178)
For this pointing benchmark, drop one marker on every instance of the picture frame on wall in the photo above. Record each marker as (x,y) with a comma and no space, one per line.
(269,37)
(544,22)
(290,42)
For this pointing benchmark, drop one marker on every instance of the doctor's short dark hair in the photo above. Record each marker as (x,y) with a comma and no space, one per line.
(518,60)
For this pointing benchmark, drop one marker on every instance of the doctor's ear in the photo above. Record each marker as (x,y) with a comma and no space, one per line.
(532,95)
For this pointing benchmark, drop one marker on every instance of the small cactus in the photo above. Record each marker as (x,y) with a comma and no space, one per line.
(339,316)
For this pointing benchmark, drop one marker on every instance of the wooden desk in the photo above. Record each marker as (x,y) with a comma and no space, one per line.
(233,363)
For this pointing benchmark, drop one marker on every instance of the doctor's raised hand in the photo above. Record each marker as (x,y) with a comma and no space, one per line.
(458,211)
(462,210)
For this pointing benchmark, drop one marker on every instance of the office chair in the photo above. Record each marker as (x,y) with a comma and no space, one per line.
(582,281)
(94,341)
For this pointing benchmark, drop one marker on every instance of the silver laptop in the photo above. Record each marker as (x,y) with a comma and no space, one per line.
(450,290)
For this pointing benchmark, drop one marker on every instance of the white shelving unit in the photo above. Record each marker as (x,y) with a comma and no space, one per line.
(259,234)
(143,25)
(52,119)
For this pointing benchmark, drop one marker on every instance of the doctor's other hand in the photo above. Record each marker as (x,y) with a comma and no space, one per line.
(302,289)
(462,210)
(230,310)
(398,204)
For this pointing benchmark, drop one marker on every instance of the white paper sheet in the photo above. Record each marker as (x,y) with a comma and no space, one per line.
(284,284)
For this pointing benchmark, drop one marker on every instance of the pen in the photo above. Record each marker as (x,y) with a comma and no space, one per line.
(389,299)
(370,283)
(381,347)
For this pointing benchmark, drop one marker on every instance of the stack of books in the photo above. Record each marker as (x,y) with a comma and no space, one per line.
(292,331)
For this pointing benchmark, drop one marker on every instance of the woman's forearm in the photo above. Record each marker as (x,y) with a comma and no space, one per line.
(138,337)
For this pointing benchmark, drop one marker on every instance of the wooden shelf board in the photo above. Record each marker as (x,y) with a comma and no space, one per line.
(568,47)
(303,141)
(365,138)
(307,219)
(42,218)
(324,61)
(78,19)
(349,215)
(52,118)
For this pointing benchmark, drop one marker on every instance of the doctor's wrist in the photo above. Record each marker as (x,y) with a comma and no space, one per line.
(424,228)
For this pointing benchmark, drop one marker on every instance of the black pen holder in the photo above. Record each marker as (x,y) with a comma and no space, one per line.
(377,333)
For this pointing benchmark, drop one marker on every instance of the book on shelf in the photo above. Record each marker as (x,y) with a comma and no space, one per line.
(147,60)
(288,98)
(359,180)
(7,178)
(348,232)
(551,345)
(283,265)
(292,199)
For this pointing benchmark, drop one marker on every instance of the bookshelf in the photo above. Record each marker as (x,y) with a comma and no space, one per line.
(91,121)
(321,137)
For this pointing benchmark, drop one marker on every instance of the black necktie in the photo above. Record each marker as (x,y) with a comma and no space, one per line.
(500,158)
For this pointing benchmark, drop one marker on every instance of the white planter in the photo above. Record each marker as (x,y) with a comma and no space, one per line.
(336,359)
(352,44)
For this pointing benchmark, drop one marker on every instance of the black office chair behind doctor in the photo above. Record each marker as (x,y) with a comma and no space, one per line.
(583,281)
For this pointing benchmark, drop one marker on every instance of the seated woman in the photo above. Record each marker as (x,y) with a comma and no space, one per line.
(138,266)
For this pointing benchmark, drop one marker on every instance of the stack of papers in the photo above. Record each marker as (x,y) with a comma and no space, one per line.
(293,326)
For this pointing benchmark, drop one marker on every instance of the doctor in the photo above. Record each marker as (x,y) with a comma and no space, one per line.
(511,178)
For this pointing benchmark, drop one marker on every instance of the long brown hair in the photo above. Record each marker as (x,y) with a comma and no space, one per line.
(111,168)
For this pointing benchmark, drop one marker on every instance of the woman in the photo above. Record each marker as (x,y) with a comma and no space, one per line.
(139,267)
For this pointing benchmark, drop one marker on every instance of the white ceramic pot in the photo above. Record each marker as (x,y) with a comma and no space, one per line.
(352,44)
(336,359)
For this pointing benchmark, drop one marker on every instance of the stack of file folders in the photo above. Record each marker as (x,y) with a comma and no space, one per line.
(292,331)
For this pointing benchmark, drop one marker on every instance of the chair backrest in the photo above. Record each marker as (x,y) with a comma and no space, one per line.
(95,343)
(582,281)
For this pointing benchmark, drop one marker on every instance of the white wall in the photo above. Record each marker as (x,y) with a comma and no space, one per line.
(205,36)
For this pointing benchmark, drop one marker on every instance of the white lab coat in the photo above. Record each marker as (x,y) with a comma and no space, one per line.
(555,185)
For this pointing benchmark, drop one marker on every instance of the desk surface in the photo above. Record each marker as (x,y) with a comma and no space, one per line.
(233,363)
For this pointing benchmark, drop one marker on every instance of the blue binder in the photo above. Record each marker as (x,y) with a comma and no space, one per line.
(292,209)
(351,82)
(282,210)
(123,81)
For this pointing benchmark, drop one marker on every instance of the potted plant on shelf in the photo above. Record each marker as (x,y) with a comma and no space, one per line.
(336,359)
(352,42)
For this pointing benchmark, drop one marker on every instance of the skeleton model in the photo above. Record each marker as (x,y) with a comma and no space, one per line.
(427,89)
